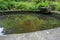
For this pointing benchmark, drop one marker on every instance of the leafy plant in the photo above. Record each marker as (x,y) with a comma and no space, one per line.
(12,4)
(26,5)
(42,4)
(3,5)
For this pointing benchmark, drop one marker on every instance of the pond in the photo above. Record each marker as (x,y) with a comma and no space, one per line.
(23,23)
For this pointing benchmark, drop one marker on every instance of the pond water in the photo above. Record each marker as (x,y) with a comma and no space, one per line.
(22,23)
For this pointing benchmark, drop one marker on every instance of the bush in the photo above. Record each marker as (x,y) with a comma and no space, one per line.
(3,5)
(42,4)
(12,4)
(26,5)
(57,5)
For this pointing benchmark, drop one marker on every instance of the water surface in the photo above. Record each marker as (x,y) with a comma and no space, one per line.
(22,23)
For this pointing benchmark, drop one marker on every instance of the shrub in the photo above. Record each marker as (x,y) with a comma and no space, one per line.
(42,4)
(57,5)
(3,5)
(26,5)
(12,4)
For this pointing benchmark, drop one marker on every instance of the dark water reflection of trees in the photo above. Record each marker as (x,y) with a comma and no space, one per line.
(22,23)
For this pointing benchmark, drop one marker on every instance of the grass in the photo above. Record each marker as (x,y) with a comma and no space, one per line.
(28,23)
(26,5)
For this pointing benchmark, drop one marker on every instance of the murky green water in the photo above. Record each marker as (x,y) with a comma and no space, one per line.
(22,23)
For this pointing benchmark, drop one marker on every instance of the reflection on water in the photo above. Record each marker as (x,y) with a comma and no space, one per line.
(23,23)
(1,30)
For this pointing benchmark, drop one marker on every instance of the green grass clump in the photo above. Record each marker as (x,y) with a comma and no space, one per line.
(42,4)
(26,5)
(3,5)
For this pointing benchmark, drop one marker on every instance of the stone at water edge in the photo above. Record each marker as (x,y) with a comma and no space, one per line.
(1,29)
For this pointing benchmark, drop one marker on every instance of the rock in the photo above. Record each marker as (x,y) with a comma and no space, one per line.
(45,10)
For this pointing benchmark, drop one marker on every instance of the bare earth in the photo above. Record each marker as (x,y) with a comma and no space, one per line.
(51,34)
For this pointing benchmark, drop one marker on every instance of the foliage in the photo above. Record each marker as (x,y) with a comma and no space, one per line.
(57,5)
(11,4)
(27,5)
(3,5)
(42,4)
